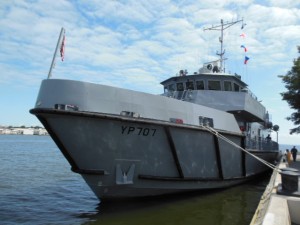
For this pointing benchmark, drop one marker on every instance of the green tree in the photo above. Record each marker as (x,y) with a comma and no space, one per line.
(292,95)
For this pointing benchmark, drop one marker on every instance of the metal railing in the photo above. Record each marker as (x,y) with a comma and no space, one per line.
(261,144)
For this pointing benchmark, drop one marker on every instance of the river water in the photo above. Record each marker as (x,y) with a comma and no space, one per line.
(38,187)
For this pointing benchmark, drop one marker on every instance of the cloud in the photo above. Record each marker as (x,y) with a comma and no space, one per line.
(137,34)
(137,44)
(118,11)
(285,4)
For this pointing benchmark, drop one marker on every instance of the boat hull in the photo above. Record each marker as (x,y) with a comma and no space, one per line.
(122,157)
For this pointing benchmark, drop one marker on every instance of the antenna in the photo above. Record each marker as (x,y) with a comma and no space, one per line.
(223,26)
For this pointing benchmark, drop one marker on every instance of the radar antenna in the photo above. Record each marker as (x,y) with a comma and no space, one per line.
(223,26)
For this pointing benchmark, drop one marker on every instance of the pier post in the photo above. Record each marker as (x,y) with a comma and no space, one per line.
(289,180)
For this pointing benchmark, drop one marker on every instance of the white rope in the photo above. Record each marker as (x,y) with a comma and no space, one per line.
(213,131)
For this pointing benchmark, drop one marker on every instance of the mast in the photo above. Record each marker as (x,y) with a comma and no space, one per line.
(59,41)
(223,26)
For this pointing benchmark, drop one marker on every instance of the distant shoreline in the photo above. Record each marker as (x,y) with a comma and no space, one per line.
(37,130)
(23,130)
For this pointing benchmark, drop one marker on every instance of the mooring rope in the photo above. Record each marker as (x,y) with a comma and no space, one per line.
(216,133)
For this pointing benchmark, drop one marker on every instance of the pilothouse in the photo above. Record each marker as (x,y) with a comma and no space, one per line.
(228,93)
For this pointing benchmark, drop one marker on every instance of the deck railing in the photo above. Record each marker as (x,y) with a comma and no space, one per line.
(261,144)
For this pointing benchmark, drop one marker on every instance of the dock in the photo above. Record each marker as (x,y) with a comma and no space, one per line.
(278,207)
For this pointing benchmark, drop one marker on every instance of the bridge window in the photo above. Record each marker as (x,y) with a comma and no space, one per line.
(180,87)
(166,89)
(236,87)
(189,85)
(200,85)
(214,85)
(227,86)
(171,87)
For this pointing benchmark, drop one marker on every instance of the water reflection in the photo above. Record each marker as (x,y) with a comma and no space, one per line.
(227,207)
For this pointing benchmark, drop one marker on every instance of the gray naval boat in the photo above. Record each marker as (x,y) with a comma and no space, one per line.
(206,131)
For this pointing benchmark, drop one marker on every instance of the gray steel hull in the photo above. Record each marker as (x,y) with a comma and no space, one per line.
(121,157)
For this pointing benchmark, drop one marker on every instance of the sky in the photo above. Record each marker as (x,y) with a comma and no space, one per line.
(138,44)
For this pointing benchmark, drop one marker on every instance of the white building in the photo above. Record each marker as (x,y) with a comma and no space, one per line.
(23,131)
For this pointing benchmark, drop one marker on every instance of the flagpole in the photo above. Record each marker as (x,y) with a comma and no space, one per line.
(62,32)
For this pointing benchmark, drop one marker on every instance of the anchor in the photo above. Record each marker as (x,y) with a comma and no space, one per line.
(124,177)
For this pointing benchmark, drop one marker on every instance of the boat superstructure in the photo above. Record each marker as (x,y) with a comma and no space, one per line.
(228,93)
(201,133)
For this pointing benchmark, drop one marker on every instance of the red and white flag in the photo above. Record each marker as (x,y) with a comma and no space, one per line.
(243,35)
(62,49)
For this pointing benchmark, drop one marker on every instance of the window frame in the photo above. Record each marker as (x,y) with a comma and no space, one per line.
(187,85)
(197,84)
(208,85)
(177,85)
(234,87)
(224,84)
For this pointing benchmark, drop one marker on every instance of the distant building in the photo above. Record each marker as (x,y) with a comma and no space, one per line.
(40,131)
(23,131)
(27,131)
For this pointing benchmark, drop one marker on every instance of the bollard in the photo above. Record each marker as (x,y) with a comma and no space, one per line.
(289,180)
(289,169)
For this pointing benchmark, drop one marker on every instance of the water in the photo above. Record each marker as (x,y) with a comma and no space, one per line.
(37,187)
